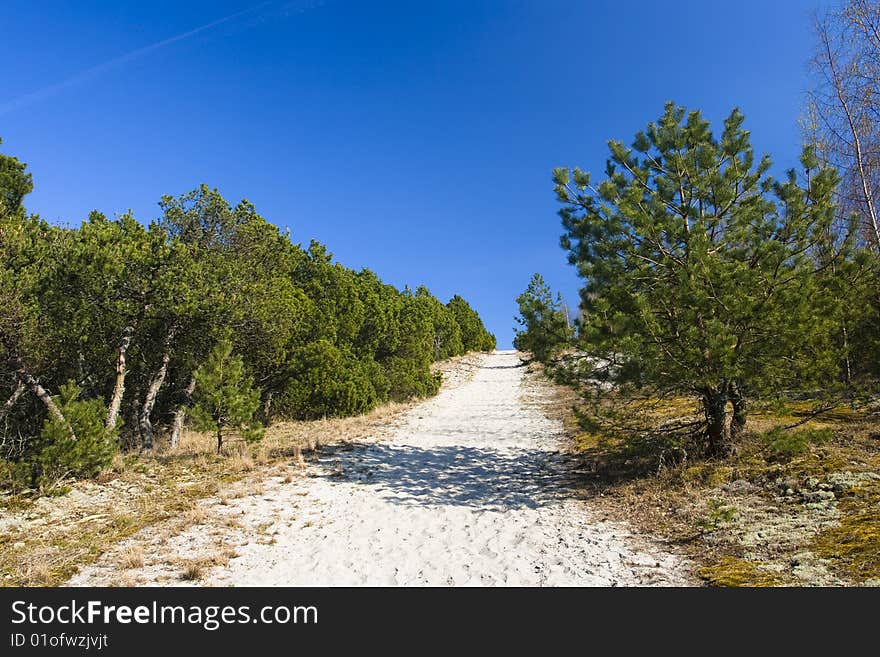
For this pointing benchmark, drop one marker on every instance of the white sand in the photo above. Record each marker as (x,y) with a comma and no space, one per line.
(467,492)
(467,489)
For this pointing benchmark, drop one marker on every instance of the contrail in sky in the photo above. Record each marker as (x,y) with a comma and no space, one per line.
(94,71)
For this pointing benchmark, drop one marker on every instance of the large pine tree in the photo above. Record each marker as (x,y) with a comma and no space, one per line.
(701,270)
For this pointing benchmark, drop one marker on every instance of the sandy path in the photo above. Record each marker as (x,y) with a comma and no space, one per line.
(466,488)
(468,492)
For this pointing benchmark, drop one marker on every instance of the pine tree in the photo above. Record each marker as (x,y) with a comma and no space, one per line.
(701,271)
(84,453)
(15,184)
(546,326)
(225,396)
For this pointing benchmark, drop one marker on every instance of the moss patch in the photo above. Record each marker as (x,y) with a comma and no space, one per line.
(733,571)
(588,440)
(853,547)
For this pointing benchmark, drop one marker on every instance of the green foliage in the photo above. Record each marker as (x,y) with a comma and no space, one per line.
(111,278)
(703,275)
(334,291)
(327,382)
(861,316)
(407,379)
(447,340)
(378,378)
(210,290)
(719,513)
(545,322)
(225,396)
(789,443)
(488,342)
(379,334)
(15,184)
(60,455)
(474,336)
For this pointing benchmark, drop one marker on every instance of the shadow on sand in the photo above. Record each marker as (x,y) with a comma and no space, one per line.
(502,367)
(455,475)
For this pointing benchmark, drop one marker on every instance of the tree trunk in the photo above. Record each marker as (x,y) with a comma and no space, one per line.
(267,406)
(41,393)
(180,414)
(150,401)
(740,409)
(717,429)
(121,371)
(30,382)
(10,403)
(158,379)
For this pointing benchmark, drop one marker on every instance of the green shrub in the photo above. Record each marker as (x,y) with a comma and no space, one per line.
(545,321)
(408,379)
(718,513)
(327,382)
(447,333)
(14,475)
(378,378)
(474,336)
(791,443)
(60,455)
(487,341)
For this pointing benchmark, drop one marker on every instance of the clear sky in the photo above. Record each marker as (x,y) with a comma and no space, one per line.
(413,138)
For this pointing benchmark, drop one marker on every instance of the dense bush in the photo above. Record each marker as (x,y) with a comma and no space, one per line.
(135,313)
(546,327)
(474,336)
(326,382)
(407,378)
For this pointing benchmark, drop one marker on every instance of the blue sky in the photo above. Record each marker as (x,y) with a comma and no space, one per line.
(416,139)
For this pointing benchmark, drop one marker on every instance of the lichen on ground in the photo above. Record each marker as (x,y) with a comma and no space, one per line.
(792,507)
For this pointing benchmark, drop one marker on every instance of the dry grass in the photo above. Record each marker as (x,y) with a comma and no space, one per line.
(241,461)
(196,569)
(196,515)
(132,557)
(758,518)
(192,571)
(39,574)
(43,541)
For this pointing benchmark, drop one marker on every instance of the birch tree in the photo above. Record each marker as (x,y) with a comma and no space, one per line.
(844,107)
